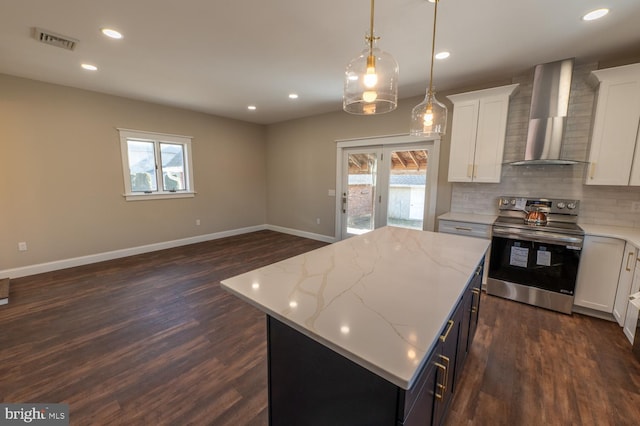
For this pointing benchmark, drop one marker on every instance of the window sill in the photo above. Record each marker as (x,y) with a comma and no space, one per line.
(156,196)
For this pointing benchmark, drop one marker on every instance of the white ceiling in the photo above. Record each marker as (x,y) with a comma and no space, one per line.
(219,56)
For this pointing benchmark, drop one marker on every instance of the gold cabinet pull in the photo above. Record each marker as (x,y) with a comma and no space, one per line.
(476,291)
(628,268)
(443,338)
(463,228)
(475,170)
(442,388)
(592,171)
(470,170)
(446,375)
(445,372)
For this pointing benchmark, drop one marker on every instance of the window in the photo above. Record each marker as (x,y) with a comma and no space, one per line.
(156,165)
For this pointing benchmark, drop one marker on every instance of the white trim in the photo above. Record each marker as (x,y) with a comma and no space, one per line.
(157,139)
(384,141)
(155,196)
(116,254)
(4,301)
(121,129)
(304,234)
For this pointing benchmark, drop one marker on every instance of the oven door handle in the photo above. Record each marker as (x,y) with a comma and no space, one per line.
(539,237)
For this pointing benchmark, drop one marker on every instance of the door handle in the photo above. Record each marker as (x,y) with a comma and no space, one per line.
(344,202)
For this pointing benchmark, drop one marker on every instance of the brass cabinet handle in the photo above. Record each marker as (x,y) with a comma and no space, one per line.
(445,371)
(475,291)
(440,386)
(592,171)
(628,268)
(475,170)
(443,338)
(470,170)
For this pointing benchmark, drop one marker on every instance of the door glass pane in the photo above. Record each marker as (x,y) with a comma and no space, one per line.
(361,193)
(172,157)
(407,185)
(142,166)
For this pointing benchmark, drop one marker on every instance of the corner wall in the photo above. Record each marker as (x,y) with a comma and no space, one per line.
(62,180)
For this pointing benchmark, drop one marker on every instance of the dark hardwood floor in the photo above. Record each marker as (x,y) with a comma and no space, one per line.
(153,339)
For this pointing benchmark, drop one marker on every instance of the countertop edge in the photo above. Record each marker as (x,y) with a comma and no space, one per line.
(628,234)
(484,219)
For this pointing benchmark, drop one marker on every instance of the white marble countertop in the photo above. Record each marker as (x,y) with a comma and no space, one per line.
(631,235)
(379,299)
(484,219)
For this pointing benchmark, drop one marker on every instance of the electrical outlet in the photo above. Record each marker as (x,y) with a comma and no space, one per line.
(635,206)
(197,222)
(22,246)
(317,221)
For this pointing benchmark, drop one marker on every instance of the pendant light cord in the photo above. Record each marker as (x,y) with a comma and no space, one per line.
(433,46)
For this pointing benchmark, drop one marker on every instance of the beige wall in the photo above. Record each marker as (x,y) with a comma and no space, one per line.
(301,158)
(62,180)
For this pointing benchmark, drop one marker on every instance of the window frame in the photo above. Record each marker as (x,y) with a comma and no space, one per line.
(156,138)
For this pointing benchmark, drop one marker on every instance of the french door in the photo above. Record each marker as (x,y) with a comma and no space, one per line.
(384,185)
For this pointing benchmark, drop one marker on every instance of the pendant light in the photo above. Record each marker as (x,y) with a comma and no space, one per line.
(371,80)
(429,118)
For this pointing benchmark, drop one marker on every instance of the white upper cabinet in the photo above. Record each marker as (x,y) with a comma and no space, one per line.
(614,158)
(478,133)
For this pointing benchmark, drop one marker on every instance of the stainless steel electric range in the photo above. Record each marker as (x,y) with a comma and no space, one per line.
(535,252)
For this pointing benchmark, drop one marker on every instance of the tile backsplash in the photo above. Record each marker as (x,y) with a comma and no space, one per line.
(604,205)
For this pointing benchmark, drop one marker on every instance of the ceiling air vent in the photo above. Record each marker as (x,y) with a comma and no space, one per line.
(54,39)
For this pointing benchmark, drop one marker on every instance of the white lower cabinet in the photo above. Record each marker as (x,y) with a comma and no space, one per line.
(598,273)
(631,319)
(624,283)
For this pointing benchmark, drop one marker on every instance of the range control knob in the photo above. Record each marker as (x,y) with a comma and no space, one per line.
(504,201)
(561,205)
(513,202)
(571,206)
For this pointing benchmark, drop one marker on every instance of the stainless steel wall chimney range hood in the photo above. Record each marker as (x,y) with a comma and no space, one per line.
(548,115)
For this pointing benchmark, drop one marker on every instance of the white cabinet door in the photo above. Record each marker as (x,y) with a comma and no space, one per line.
(624,283)
(631,320)
(463,141)
(598,273)
(615,126)
(492,127)
(478,133)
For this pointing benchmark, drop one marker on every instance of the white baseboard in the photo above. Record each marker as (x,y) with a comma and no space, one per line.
(304,234)
(4,301)
(116,254)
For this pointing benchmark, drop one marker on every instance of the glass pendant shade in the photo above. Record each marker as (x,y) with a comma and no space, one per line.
(371,83)
(429,118)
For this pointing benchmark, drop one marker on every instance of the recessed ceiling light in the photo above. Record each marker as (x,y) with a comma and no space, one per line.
(109,32)
(442,55)
(595,14)
(293,96)
(252,108)
(89,67)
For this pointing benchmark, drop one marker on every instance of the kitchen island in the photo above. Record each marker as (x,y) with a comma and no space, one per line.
(369,330)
